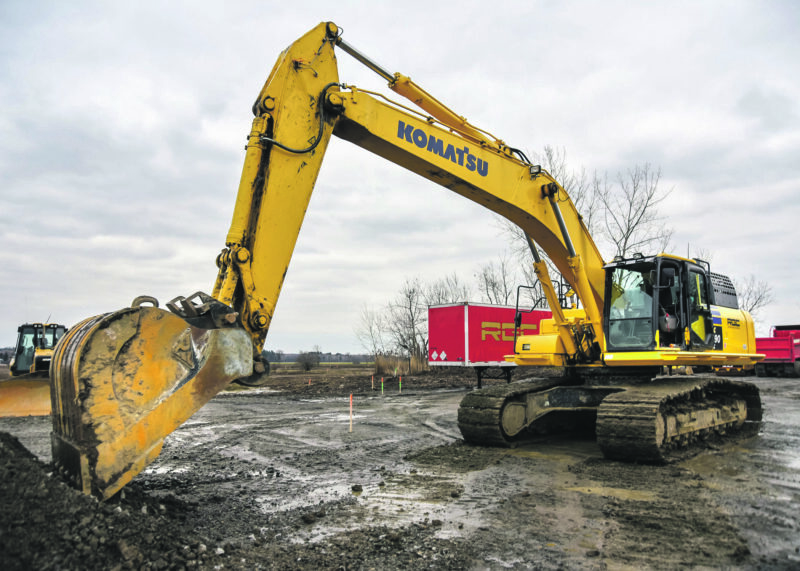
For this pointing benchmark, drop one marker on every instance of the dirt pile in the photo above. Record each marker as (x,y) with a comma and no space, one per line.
(47,525)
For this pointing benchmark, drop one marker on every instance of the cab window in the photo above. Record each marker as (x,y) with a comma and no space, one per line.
(630,322)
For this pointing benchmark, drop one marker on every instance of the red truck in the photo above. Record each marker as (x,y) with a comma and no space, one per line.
(782,350)
(477,335)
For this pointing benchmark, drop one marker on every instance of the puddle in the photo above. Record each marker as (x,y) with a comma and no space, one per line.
(247,392)
(339,417)
(619,493)
(399,500)
(164,469)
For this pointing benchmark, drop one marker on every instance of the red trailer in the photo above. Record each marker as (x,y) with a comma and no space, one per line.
(477,335)
(782,352)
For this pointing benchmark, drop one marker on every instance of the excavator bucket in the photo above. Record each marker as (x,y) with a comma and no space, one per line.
(25,397)
(122,381)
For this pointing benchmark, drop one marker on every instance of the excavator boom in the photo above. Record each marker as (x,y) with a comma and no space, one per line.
(122,381)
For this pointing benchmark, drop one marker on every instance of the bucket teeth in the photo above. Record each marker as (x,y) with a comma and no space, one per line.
(122,381)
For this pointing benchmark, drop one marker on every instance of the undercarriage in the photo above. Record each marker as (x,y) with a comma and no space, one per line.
(653,421)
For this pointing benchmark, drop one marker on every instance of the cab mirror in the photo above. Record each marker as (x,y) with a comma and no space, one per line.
(667,277)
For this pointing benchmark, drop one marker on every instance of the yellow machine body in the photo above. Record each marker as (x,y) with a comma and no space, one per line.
(34,349)
(27,393)
(25,397)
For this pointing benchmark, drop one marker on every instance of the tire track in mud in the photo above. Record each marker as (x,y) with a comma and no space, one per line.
(311,459)
(758,482)
(658,516)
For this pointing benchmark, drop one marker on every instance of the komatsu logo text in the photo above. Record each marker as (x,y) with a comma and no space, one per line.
(460,156)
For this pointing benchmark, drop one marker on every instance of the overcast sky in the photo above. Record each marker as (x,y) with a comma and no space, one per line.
(122,128)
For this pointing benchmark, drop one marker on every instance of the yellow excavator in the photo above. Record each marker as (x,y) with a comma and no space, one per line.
(122,381)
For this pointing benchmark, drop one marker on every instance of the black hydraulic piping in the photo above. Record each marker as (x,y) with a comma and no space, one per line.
(550,191)
(380,70)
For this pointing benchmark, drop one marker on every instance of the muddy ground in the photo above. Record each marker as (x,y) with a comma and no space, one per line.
(275,479)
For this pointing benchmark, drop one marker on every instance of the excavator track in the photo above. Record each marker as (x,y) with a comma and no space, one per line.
(652,422)
(480,415)
(667,420)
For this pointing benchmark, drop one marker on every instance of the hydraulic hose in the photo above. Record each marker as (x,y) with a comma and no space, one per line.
(321,107)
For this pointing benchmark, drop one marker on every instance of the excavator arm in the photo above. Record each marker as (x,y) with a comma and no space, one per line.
(298,109)
(124,380)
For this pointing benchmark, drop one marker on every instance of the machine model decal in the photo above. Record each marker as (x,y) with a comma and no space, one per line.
(718,345)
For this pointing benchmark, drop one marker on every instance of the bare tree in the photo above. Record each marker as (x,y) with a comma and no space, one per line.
(497,282)
(370,331)
(449,289)
(575,182)
(622,215)
(631,221)
(308,360)
(702,254)
(582,192)
(624,212)
(402,326)
(753,294)
(406,322)
(578,186)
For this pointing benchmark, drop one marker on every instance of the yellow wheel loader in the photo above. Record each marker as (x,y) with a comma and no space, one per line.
(28,393)
(122,381)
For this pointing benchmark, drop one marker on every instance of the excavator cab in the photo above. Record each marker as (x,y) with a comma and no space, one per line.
(659,302)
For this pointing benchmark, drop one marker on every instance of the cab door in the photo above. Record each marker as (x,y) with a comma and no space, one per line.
(700,328)
(26,345)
